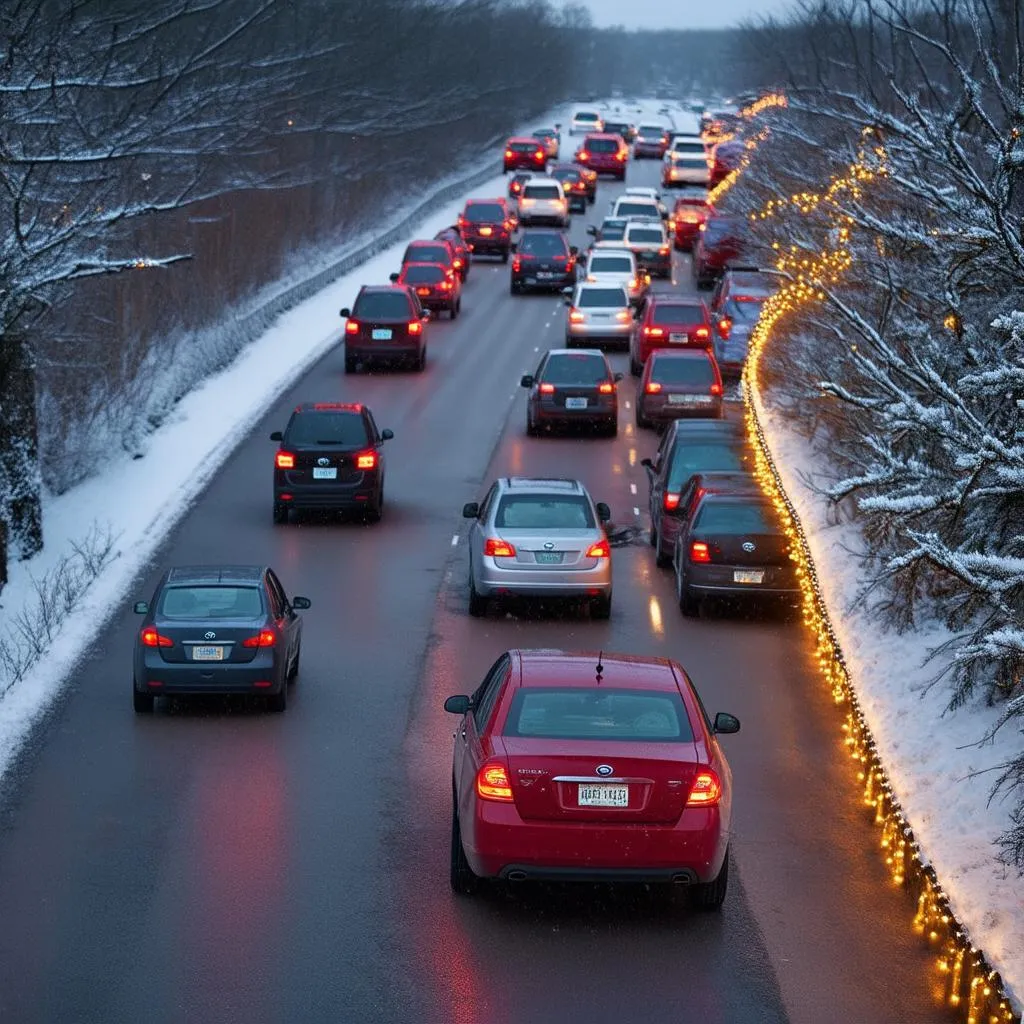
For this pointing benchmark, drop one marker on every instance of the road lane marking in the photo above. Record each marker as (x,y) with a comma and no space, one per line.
(455,540)
(636,511)
(654,614)
(632,488)
(632,456)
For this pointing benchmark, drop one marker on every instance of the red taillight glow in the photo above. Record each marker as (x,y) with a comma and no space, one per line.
(539,155)
(621,155)
(653,332)
(517,265)
(606,388)
(701,332)
(508,154)
(264,638)
(599,550)
(492,782)
(653,387)
(699,552)
(716,389)
(547,389)
(456,263)
(284,460)
(576,317)
(706,790)
(446,286)
(351,327)
(368,460)
(495,548)
(583,155)
(663,251)
(724,327)
(151,638)
(671,501)
(415,327)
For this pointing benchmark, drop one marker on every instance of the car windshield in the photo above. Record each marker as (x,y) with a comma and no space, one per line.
(424,275)
(666,313)
(603,146)
(210,602)
(426,254)
(391,305)
(542,245)
(735,517)
(484,213)
(611,265)
(541,192)
(744,311)
(682,369)
(543,512)
(705,455)
(647,236)
(718,229)
(588,713)
(575,368)
(566,174)
(586,115)
(343,428)
(603,298)
(544,133)
(651,130)
(637,209)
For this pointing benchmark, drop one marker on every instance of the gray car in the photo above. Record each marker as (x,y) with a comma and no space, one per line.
(539,538)
(598,312)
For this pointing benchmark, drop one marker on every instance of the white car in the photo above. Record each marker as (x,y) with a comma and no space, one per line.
(617,266)
(598,313)
(637,206)
(687,162)
(543,201)
(584,121)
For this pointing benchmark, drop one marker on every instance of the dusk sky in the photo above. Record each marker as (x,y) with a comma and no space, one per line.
(679,13)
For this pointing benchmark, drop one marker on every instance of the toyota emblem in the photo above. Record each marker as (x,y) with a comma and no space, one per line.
(604,769)
(548,545)
(323,462)
(749,545)
(210,635)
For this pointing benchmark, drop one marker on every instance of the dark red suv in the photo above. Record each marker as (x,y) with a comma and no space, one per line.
(669,321)
(487,226)
(690,212)
(437,250)
(605,154)
(727,158)
(525,154)
(451,235)
(386,323)
(722,240)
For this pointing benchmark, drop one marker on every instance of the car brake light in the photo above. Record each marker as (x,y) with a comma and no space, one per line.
(653,387)
(700,552)
(508,154)
(284,460)
(151,638)
(702,332)
(716,389)
(582,155)
(368,460)
(559,258)
(576,317)
(445,286)
(671,501)
(517,265)
(622,316)
(415,327)
(620,155)
(495,548)
(456,263)
(539,155)
(706,790)
(599,550)
(264,638)
(351,327)
(724,326)
(547,389)
(653,332)
(606,388)
(492,782)
(663,251)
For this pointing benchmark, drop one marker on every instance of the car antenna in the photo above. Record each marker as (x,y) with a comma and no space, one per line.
(600,667)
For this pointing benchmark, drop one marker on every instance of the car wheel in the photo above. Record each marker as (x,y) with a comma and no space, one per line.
(421,363)
(504,255)
(280,513)
(601,607)
(461,876)
(661,560)
(711,895)
(278,702)
(642,421)
(477,602)
(351,363)
(293,672)
(612,428)
(592,199)
(142,702)
(689,604)
(532,430)
(453,312)
(635,368)
(375,511)
(514,288)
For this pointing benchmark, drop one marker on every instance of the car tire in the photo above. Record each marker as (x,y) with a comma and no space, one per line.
(601,607)
(351,364)
(612,428)
(635,368)
(504,255)
(689,604)
(460,876)
(375,512)
(477,601)
(661,560)
(142,702)
(453,312)
(642,421)
(278,702)
(514,288)
(711,895)
(421,363)
(280,514)
(293,671)
(532,430)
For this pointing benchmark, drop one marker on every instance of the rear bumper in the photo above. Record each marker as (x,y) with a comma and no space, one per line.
(686,176)
(779,581)
(384,351)
(596,582)
(328,496)
(158,677)
(600,332)
(482,245)
(560,415)
(525,280)
(661,410)
(556,220)
(656,264)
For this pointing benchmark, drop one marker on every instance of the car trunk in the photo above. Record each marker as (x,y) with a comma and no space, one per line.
(192,638)
(653,778)
(728,549)
(575,397)
(314,464)
(553,550)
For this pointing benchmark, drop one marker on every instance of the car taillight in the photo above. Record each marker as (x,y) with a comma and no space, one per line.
(517,265)
(576,317)
(151,638)
(495,548)
(351,327)
(457,263)
(508,154)
(622,316)
(264,638)
(653,332)
(701,332)
(620,155)
(507,225)
(653,387)
(606,388)
(663,251)
(415,326)
(700,552)
(724,327)
(445,286)
(547,389)
(716,389)
(634,283)
(560,258)
(599,550)
(539,155)
(583,155)
(368,460)
(284,460)
(671,501)
(706,790)
(492,782)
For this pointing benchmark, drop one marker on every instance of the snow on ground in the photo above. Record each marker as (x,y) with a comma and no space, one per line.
(932,757)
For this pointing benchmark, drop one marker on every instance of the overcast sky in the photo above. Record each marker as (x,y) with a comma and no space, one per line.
(678,13)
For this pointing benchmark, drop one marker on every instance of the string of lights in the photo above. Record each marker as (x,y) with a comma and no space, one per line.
(966,979)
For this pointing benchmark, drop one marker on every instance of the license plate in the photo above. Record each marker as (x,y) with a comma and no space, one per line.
(422,291)
(325,474)
(742,576)
(545,274)
(485,231)
(207,653)
(597,795)
(678,339)
(575,403)
(549,557)
(381,334)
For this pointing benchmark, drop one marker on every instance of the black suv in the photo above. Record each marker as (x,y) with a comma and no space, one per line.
(386,323)
(544,260)
(330,458)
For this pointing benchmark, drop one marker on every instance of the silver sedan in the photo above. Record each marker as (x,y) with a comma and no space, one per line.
(597,313)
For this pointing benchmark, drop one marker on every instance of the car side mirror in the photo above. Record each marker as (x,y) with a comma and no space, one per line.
(387,435)
(393,278)
(618,377)
(300,604)
(526,381)
(725,724)
(277,436)
(471,510)
(647,464)
(458,705)
(604,513)
(141,607)
(346,312)
(592,230)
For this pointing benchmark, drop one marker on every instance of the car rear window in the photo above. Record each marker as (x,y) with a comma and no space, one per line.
(603,146)
(683,369)
(651,129)
(602,298)
(484,213)
(424,275)
(666,313)
(689,147)
(211,602)
(586,115)
(542,245)
(382,306)
(718,229)
(744,311)
(342,428)
(426,254)
(531,191)
(522,147)
(613,231)
(588,713)
(637,209)
(703,456)
(610,265)
(646,235)
(575,368)
(735,517)
(543,512)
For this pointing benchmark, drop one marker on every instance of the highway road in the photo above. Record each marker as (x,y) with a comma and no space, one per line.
(214,863)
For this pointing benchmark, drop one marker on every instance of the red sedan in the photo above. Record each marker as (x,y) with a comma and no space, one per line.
(691,211)
(579,766)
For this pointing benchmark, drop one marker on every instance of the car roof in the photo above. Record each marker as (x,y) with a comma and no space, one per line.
(663,355)
(674,299)
(719,428)
(428,241)
(330,407)
(612,252)
(601,135)
(239,575)
(541,667)
(577,352)
(522,138)
(500,200)
(372,289)
(725,480)
(552,484)
(560,232)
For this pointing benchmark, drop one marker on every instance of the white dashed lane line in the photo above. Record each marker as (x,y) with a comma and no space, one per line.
(632,488)
(455,540)
(636,511)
